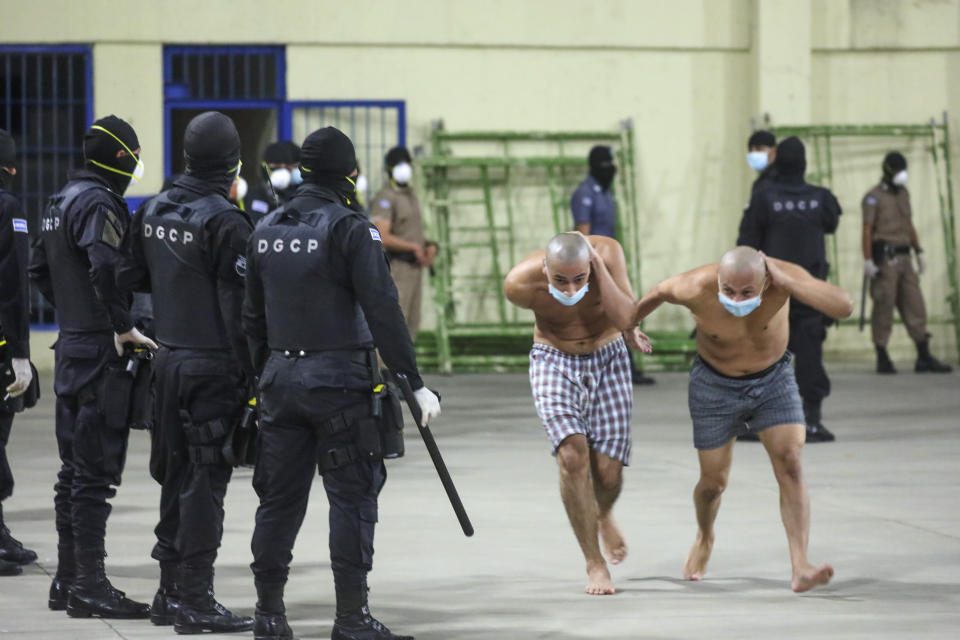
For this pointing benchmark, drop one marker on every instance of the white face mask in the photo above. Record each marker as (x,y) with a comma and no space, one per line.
(241,188)
(402,173)
(280,178)
(362,185)
(900,179)
(137,174)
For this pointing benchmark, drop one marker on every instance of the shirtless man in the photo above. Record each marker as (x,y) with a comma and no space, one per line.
(743,374)
(580,376)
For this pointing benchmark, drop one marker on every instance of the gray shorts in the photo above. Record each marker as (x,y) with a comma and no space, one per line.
(723,407)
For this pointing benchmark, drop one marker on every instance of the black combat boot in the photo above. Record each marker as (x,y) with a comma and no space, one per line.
(64,578)
(199,611)
(167,601)
(816,432)
(360,625)
(93,595)
(270,617)
(926,363)
(10,568)
(11,550)
(884,364)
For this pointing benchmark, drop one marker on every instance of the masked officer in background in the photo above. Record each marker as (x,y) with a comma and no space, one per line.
(282,175)
(73,265)
(317,370)
(395,211)
(761,156)
(186,246)
(888,236)
(14,339)
(788,219)
(594,212)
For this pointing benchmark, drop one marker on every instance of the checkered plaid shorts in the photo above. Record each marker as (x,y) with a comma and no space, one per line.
(590,394)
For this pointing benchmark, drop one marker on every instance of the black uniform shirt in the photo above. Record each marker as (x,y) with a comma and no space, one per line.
(14,286)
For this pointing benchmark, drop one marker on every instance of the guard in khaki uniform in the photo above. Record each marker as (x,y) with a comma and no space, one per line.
(395,211)
(888,236)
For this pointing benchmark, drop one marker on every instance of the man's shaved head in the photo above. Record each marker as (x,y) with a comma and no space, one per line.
(741,273)
(566,249)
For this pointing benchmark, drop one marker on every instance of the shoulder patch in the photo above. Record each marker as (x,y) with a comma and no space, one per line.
(20,225)
(384,204)
(260,206)
(375,235)
(240,266)
(870,200)
(587,201)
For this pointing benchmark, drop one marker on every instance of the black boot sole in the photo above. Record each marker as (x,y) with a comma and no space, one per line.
(195,629)
(57,605)
(162,621)
(80,610)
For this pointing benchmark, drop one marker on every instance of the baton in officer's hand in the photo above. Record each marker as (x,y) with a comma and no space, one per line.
(428,440)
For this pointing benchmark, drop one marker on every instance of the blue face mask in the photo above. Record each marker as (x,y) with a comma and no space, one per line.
(757,160)
(296,177)
(568,301)
(740,308)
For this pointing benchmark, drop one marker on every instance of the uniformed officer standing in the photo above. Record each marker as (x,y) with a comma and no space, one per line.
(73,265)
(314,353)
(14,338)
(395,211)
(888,236)
(788,219)
(280,159)
(186,246)
(761,154)
(595,213)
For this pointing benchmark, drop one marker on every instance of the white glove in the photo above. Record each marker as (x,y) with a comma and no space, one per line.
(870,269)
(429,405)
(134,336)
(23,373)
(921,263)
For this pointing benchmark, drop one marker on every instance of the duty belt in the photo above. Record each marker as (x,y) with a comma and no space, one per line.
(356,357)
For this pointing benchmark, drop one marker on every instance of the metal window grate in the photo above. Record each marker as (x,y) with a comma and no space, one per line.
(46,101)
(224,73)
(374,126)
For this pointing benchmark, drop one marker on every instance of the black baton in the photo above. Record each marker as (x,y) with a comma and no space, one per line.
(863,302)
(428,440)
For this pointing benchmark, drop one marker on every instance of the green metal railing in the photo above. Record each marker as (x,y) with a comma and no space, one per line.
(466,170)
(937,137)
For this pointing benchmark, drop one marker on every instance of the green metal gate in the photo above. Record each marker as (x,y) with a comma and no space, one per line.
(936,138)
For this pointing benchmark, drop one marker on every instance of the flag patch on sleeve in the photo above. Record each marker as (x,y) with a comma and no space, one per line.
(375,235)
(19,224)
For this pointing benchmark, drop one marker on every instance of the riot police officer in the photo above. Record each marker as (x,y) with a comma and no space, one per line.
(788,219)
(319,297)
(186,246)
(888,237)
(73,265)
(280,179)
(14,340)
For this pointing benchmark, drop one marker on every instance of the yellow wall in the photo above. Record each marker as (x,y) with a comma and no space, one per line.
(692,74)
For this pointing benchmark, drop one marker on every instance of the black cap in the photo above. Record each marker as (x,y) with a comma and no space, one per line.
(397,155)
(105,138)
(893,163)
(8,149)
(791,157)
(283,152)
(211,143)
(761,138)
(327,151)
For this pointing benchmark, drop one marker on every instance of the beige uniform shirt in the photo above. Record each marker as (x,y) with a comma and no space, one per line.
(401,207)
(888,214)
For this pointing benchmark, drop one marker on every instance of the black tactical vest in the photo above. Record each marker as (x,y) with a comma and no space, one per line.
(308,295)
(186,310)
(78,308)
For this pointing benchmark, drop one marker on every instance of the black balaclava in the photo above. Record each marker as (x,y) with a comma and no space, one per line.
(327,158)
(8,156)
(101,142)
(601,166)
(893,163)
(211,149)
(791,159)
(761,138)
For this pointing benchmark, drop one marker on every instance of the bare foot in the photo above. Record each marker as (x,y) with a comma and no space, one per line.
(811,577)
(613,543)
(696,564)
(599,583)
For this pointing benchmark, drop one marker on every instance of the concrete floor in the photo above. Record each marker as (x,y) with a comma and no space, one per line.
(885,513)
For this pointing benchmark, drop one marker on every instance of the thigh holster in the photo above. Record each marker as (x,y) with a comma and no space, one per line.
(347,437)
(204,440)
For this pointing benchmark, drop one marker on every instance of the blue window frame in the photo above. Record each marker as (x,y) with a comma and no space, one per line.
(46,103)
